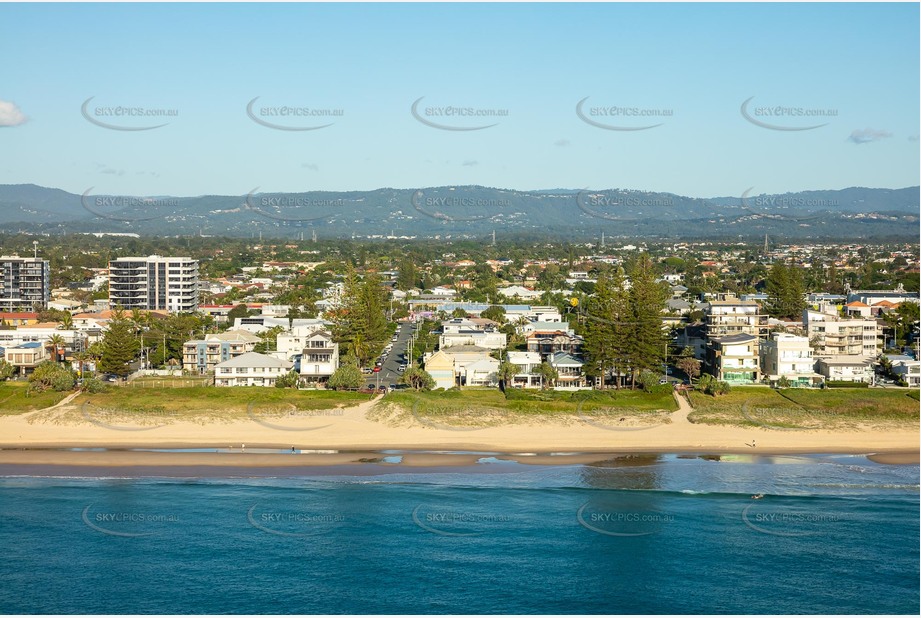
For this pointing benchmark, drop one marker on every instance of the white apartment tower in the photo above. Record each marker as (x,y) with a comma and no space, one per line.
(25,283)
(154,282)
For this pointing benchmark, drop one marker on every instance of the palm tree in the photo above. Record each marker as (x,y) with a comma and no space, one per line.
(67,321)
(56,343)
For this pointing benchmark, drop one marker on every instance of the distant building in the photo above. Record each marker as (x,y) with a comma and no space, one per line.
(25,283)
(154,282)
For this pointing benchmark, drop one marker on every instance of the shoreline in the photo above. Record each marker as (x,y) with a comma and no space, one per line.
(61,461)
(352,438)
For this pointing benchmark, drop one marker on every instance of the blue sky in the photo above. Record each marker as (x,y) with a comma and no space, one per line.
(858,64)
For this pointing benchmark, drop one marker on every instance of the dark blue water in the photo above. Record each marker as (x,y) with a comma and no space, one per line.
(832,534)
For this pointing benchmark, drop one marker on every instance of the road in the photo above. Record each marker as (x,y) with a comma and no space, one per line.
(390,372)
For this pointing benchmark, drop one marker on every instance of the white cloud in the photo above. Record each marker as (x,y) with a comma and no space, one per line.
(865,136)
(10,115)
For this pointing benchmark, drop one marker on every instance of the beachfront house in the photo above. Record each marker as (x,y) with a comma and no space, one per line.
(440,366)
(568,369)
(788,356)
(319,357)
(481,372)
(848,368)
(527,364)
(26,356)
(549,342)
(734,358)
(201,356)
(251,369)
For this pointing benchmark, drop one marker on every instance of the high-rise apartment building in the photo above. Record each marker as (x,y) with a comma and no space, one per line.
(154,282)
(25,283)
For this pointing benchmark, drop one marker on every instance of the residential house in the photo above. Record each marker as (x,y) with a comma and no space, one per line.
(908,369)
(836,336)
(549,342)
(851,368)
(441,367)
(26,356)
(520,292)
(319,356)
(728,315)
(527,364)
(788,356)
(251,369)
(734,358)
(201,356)
(18,318)
(857,309)
(482,372)
(459,331)
(568,369)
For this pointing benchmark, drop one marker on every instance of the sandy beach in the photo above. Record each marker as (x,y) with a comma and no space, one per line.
(356,439)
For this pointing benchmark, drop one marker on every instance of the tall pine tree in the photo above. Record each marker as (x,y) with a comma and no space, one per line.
(647,340)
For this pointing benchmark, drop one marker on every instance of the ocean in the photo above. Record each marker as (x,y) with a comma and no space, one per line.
(651,534)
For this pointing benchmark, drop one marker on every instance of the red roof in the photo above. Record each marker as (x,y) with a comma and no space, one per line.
(856,303)
(18,315)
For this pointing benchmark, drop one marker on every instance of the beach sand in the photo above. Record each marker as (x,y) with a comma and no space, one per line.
(357,438)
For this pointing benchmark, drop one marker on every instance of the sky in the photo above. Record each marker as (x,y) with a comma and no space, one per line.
(832,95)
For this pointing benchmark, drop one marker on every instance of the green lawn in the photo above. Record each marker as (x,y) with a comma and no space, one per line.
(797,408)
(15,400)
(489,407)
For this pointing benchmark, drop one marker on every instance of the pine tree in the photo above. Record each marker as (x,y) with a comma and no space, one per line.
(647,340)
(785,289)
(605,331)
(120,345)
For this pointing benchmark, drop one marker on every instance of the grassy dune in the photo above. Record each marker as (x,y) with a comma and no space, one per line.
(839,408)
(484,407)
(14,398)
